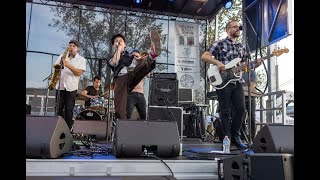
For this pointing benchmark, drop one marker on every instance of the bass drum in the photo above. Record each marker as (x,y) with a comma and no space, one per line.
(89,114)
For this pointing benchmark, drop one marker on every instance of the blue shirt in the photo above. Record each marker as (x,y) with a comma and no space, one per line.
(253,77)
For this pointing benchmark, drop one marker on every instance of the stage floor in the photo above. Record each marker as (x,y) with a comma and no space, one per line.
(199,160)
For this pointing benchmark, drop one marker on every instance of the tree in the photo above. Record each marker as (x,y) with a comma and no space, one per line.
(94,31)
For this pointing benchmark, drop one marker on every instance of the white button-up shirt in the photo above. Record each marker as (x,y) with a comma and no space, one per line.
(68,80)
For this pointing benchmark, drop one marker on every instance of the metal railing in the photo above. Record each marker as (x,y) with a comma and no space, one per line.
(276,105)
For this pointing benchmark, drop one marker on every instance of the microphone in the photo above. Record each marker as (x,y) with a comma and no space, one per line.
(240,27)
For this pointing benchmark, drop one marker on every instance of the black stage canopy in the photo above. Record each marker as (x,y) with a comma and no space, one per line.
(194,9)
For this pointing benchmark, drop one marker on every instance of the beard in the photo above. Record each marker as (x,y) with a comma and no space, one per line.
(235,34)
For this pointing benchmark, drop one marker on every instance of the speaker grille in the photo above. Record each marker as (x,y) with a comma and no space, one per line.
(164,92)
(185,95)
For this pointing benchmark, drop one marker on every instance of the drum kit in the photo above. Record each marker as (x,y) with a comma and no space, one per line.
(99,108)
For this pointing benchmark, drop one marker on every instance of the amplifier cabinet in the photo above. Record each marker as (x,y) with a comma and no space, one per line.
(164,113)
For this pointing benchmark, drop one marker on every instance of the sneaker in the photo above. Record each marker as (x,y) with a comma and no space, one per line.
(155,49)
(236,141)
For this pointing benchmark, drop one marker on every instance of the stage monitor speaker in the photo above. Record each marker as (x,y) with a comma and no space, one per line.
(159,113)
(47,137)
(233,168)
(95,129)
(164,92)
(135,138)
(274,139)
(261,166)
(266,166)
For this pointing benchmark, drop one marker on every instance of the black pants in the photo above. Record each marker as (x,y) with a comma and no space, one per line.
(137,100)
(66,104)
(231,98)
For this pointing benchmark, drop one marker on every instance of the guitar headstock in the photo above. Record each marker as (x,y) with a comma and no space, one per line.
(280,51)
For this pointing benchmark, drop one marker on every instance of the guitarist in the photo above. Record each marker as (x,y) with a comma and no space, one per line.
(221,53)
(121,61)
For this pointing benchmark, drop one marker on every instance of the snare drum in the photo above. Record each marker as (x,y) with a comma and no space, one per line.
(89,114)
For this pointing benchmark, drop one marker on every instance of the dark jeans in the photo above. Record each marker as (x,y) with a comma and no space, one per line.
(126,83)
(231,98)
(66,105)
(253,115)
(137,100)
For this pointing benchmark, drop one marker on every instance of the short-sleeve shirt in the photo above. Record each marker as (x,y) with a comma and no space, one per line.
(225,50)
(93,92)
(68,80)
(253,77)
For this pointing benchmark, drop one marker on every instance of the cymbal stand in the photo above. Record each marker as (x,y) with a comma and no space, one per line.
(47,95)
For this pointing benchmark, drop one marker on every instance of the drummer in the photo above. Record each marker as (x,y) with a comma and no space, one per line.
(92,92)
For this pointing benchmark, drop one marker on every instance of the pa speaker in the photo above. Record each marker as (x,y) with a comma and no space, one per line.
(135,138)
(266,166)
(164,92)
(274,139)
(47,136)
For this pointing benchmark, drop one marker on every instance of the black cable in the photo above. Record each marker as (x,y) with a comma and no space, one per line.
(169,109)
(156,157)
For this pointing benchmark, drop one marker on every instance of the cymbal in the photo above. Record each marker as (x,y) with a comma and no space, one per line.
(253,93)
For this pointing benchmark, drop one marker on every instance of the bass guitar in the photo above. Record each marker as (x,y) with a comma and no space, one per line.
(233,72)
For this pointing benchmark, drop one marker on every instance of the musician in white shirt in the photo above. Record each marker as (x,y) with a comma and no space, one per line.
(73,67)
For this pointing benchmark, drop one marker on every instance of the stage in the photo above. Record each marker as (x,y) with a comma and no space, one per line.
(196,162)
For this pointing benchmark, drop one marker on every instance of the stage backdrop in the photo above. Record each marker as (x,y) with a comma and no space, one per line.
(187,60)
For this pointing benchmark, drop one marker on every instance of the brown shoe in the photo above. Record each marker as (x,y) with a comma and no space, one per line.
(155,49)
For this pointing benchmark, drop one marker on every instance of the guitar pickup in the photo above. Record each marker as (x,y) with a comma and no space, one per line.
(212,79)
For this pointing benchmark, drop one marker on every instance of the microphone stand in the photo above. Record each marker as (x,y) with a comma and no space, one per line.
(249,93)
(149,96)
(47,95)
(58,93)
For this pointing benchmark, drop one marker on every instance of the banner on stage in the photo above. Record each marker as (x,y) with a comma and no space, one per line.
(187,61)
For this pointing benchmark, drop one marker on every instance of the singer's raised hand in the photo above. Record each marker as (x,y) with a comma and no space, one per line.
(120,47)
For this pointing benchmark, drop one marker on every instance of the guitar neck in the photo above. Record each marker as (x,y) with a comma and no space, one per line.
(244,65)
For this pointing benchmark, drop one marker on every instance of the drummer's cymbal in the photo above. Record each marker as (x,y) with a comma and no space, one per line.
(253,93)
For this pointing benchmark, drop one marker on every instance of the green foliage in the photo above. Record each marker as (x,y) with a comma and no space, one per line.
(95,29)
